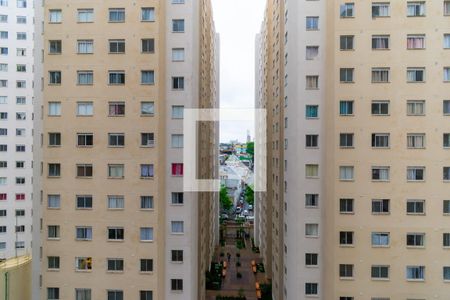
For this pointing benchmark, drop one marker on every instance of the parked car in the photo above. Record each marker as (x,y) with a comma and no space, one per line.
(238,210)
(245,212)
(250,207)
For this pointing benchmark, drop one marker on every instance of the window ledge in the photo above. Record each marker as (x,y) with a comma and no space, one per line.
(346,213)
(83,271)
(415,280)
(346,246)
(149,241)
(114,272)
(147,115)
(116,177)
(415,247)
(346,278)
(146,178)
(115,241)
(381,246)
(146,272)
(147,209)
(381,279)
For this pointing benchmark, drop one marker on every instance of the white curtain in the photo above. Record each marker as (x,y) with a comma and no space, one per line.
(415,272)
(177,226)
(85,46)
(85,16)
(148,14)
(416,42)
(147,234)
(346,173)
(116,171)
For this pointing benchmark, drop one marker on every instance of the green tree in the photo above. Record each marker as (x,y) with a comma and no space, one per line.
(249,195)
(251,149)
(225,200)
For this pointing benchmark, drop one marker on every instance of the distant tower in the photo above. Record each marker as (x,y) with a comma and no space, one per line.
(248,136)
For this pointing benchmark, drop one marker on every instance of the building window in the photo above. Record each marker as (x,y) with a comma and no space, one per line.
(346,237)
(447,74)
(83,263)
(346,75)
(311,230)
(147,171)
(54,77)
(178,25)
(148,45)
(116,109)
(177,112)
(346,140)
(178,83)
(347,10)
(146,265)
(380,239)
(54,109)
(85,15)
(85,77)
(115,264)
(116,46)
(116,233)
(148,14)
(415,107)
(312,52)
(380,140)
(312,82)
(176,284)
(55,16)
(380,272)
(84,201)
(21,52)
(311,288)
(116,171)
(147,108)
(177,255)
(177,227)
(346,173)
(54,139)
(312,23)
(415,173)
(55,47)
(380,108)
(346,42)
(446,140)
(415,207)
(447,40)
(117,15)
(54,201)
(116,77)
(147,77)
(115,295)
(53,232)
(416,41)
(312,140)
(54,170)
(446,240)
(21,20)
(85,139)
(116,139)
(380,42)
(416,9)
(380,75)
(415,74)
(346,108)
(145,295)
(415,272)
(116,202)
(380,10)
(446,8)
(311,200)
(177,198)
(416,140)
(85,108)
(446,173)
(85,46)
(311,171)
(345,271)
(380,173)
(311,259)
(84,233)
(147,139)
(53,263)
(147,202)
(177,169)
(346,206)
(312,111)
(146,234)
(84,170)
(177,141)
(52,293)
(380,206)
(415,239)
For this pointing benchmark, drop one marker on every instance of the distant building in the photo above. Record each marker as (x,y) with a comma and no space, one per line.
(15,279)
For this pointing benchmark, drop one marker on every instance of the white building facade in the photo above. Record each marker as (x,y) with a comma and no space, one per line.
(16,126)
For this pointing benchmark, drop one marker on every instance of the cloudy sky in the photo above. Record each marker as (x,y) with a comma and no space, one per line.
(237,22)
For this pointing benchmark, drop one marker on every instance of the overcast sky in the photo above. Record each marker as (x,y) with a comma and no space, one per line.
(237,22)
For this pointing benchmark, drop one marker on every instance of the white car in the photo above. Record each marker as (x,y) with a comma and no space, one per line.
(238,210)
(250,207)
(245,213)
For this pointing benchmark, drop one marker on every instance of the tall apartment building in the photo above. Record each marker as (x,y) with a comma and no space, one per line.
(16,126)
(114,220)
(357,100)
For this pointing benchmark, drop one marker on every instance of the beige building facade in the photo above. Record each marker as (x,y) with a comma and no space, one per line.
(114,220)
(359,126)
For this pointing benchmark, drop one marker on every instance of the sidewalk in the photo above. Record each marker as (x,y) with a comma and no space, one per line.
(231,284)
